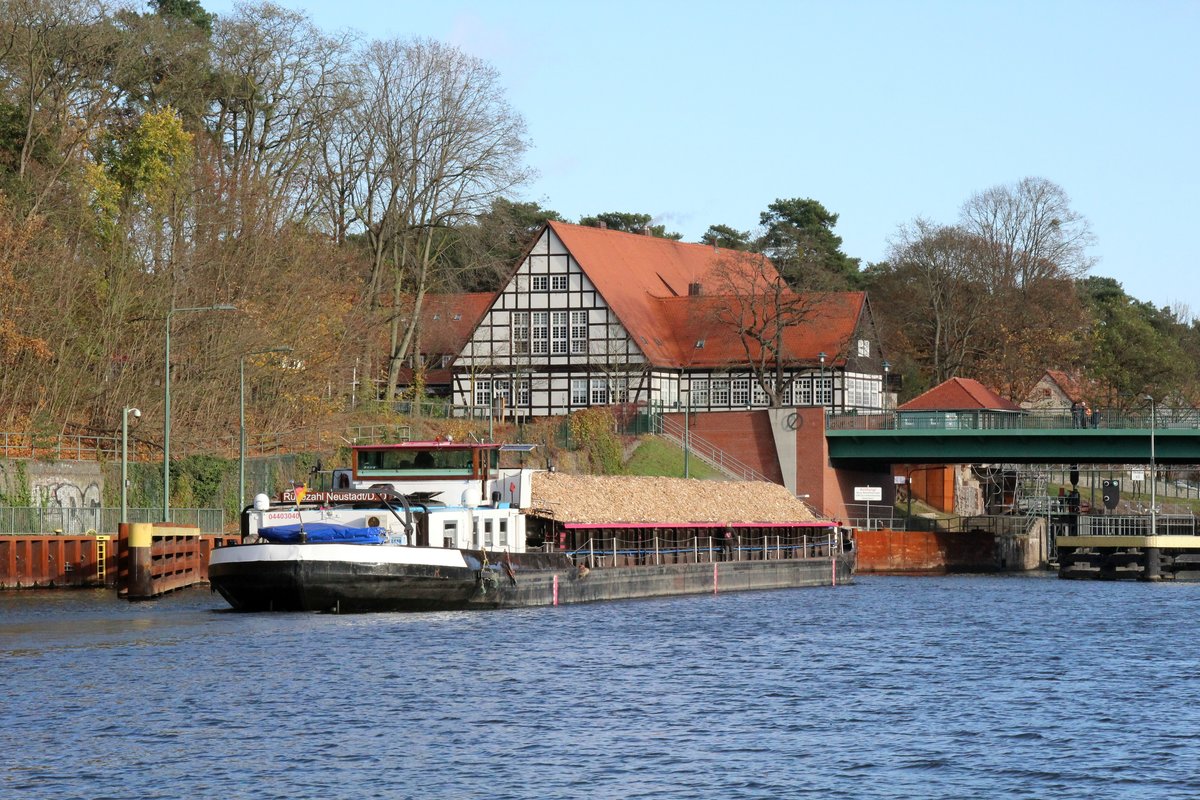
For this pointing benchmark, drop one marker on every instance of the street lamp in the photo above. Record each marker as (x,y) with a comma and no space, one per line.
(887,368)
(242,419)
(821,386)
(1153,474)
(137,414)
(167,403)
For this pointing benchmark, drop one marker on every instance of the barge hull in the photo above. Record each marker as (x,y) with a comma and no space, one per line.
(313,583)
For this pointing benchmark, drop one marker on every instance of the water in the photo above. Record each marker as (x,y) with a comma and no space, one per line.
(892,688)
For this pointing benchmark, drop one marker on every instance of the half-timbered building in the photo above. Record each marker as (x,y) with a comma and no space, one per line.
(596,317)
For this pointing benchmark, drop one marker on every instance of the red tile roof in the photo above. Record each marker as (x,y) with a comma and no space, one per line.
(645,281)
(959,394)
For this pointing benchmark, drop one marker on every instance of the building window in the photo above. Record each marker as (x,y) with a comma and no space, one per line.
(579,332)
(758,397)
(699,398)
(824,389)
(523,393)
(579,392)
(620,390)
(804,391)
(864,348)
(540,332)
(558,332)
(483,392)
(558,283)
(501,391)
(741,392)
(720,392)
(539,283)
(520,332)
(599,392)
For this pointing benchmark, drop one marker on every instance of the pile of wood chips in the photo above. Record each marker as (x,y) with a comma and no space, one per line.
(597,499)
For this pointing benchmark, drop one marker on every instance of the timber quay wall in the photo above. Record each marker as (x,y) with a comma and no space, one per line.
(143,561)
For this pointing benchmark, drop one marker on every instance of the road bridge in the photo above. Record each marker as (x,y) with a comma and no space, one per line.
(876,441)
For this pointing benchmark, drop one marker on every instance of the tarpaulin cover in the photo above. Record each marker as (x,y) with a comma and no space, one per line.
(322,532)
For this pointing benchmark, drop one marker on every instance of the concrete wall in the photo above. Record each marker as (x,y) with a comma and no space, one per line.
(69,485)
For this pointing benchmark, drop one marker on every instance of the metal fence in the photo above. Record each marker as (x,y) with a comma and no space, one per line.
(1164,419)
(75,521)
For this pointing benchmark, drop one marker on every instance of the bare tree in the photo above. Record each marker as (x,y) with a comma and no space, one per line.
(763,312)
(1032,231)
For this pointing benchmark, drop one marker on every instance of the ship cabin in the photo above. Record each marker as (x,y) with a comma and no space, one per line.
(458,493)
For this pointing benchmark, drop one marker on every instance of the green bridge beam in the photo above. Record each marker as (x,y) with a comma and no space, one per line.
(871,449)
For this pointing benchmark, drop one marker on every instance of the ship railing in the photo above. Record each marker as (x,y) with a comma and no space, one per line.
(616,552)
(1139,525)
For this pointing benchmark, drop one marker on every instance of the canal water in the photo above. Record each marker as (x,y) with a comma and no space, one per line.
(955,687)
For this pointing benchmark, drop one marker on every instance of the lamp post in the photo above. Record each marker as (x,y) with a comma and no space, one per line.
(137,414)
(821,386)
(687,430)
(1153,474)
(887,368)
(242,419)
(167,403)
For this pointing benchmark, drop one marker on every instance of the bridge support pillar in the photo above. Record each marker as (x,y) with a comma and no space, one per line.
(1153,571)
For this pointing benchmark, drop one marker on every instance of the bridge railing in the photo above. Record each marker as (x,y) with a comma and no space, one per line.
(1165,419)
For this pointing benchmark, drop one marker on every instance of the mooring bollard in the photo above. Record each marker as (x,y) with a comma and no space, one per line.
(140,578)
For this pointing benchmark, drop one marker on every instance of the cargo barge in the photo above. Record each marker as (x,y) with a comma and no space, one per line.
(439,525)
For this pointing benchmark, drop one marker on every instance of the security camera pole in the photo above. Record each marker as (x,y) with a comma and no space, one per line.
(125,460)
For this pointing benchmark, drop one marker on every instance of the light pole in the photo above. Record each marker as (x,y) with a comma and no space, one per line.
(242,419)
(687,432)
(821,386)
(137,414)
(887,368)
(1153,474)
(167,403)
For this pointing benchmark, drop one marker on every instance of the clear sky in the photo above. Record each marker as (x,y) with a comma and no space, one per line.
(702,112)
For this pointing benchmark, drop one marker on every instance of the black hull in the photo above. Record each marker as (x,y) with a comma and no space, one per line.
(532,579)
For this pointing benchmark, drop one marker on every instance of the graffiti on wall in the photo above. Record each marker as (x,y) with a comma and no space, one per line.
(70,506)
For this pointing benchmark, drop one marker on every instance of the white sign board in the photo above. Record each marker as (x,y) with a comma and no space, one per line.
(868,494)
(1138,474)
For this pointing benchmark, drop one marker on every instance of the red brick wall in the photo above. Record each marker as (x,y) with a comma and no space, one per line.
(745,435)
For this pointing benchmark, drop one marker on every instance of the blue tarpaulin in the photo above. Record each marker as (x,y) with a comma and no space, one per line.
(322,532)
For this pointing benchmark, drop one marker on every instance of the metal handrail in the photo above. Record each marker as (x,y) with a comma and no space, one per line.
(707,452)
(605,552)
(1037,419)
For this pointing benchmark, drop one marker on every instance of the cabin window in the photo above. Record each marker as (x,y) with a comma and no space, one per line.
(540,332)
(503,532)
(579,392)
(450,534)
(478,534)
(579,332)
(488,543)
(539,283)
(558,283)
(434,461)
(520,332)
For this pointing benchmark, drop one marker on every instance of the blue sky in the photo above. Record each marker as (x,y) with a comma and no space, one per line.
(704,112)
